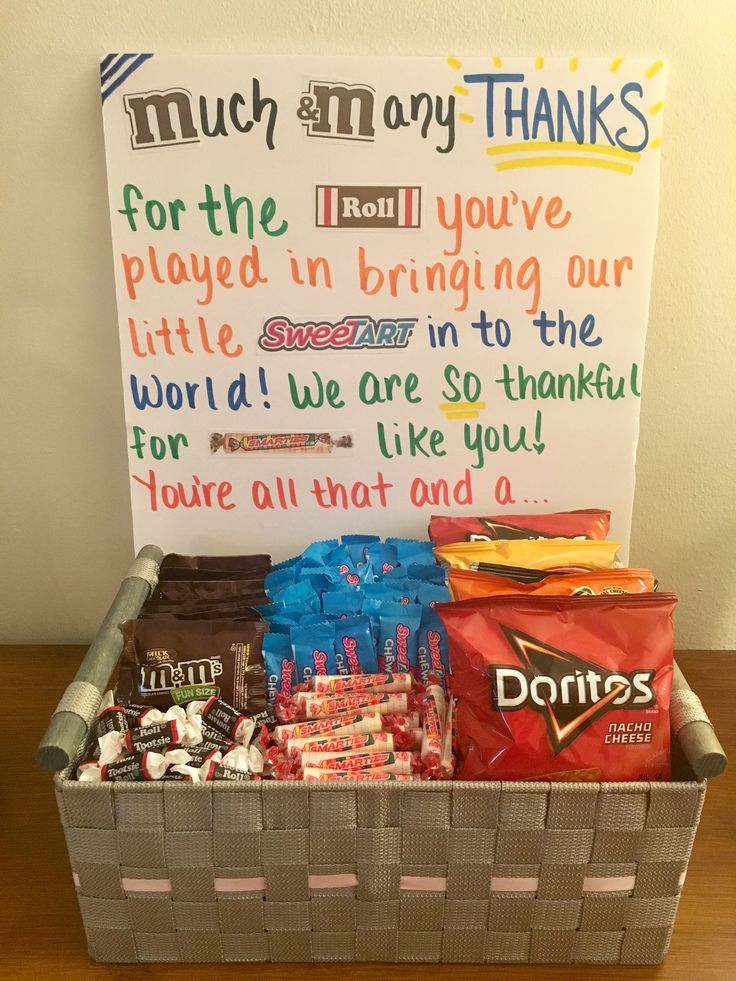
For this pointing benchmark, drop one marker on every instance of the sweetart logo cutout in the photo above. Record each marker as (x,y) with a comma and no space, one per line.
(569,692)
(352,333)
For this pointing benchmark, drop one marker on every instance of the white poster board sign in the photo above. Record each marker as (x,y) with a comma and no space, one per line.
(354,292)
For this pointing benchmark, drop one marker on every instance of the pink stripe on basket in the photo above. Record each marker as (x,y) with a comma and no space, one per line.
(341,880)
(424,883)
(516,883)
(146,885)
(609,883)
(75,879)
(252,884)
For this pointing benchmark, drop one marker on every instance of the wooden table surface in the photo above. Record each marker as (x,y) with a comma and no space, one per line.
(41,928)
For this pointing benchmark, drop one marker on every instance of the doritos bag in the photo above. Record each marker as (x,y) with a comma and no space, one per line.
(465,584)
(548,685)
(552,554)
(443,530)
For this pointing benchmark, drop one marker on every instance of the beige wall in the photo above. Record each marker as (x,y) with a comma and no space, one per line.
(66,529)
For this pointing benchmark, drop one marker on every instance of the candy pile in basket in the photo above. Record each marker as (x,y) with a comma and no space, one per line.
(355,661)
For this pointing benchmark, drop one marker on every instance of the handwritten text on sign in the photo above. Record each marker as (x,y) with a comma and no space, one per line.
(356,291)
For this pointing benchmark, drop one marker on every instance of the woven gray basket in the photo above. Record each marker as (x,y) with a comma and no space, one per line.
(451,872)
(434,872)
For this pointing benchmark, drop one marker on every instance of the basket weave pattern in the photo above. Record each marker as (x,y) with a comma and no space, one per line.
(435,872)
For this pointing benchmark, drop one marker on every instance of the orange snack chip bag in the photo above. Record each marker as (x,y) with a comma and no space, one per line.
(466,584)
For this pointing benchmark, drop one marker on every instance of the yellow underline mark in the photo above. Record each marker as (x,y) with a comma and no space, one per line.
(454,63)
(465,117)
(573,66)
(655,143)
(565,162)
(608,151)
(460,90)
(615,64)
(539,63)
(653,69)
(657,107)
(462,415)
(461,406)
(497,61)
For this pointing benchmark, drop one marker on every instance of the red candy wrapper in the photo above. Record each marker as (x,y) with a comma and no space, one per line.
(318,706)
(408,739)
(548,685)
(362,776)
(396,722)
(434,726)
(563,524)
(342,724)
(358,742)
(387,762)
(350,683)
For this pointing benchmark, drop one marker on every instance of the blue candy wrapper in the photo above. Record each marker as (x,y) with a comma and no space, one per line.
(314,650)
(343,602)
(419,558)
(311,618)
(382,557)
(401,591)
(357,546)
(317,579)
(351,575)
(281,625)
(278,661)
(267,610)
(406,547)
(355,652)
(317,552)
(429,593)
(297,593)
(372,609)
(429,573)
(397,646)
(278,579)
(285,563)
(432,649)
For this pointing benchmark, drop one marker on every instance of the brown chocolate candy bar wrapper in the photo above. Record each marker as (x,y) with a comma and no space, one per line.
(234,562)
(237,612)
(210,575)
(234,606)
(195,592)
(159,655)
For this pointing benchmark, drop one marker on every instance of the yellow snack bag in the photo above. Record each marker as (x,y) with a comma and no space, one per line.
(469,585)
(553,554)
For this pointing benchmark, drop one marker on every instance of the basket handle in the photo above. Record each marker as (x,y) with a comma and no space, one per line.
(694,731)
(78,706)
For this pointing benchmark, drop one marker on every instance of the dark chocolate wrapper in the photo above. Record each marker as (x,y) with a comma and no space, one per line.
(228,773)
(200,754)
(113,719)
(210,575)
(161,655)
(192,593)
(235,563)
(131,767)
(157,738)
(223,718)
(266,718)
(225,612)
